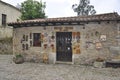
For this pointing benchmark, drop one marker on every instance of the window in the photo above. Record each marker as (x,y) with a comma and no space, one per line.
(4,19)
(36,39)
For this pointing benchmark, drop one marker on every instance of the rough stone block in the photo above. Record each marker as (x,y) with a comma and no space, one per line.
(98,64)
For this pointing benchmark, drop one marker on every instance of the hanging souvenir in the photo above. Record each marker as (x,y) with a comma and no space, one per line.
(78,51)
(45,46)
(73,35)
(42,36)
(45,34)
(103,37)
(97,33)
(52,46)
(45,40)
(98,45)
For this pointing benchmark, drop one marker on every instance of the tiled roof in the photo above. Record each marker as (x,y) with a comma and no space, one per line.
(90,18)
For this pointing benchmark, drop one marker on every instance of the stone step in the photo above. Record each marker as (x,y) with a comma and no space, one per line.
(61,62)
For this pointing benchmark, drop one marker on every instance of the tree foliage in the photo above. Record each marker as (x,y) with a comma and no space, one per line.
(32,9)
(84,8)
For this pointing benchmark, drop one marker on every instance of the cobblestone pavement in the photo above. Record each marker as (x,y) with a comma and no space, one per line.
(40,71)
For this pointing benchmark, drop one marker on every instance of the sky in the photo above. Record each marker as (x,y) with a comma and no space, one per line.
(63,8)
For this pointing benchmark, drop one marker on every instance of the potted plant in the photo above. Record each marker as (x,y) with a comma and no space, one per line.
(99,62)
(18,59)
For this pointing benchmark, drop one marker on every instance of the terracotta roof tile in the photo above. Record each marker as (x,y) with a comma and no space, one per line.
(98,17)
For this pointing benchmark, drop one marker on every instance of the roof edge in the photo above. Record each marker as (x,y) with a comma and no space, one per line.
(90,18)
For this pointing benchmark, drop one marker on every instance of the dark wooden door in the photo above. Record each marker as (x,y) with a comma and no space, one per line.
(64,46)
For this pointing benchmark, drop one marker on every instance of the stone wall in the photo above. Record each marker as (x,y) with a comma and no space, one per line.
(33,53)
(6,46)
(94,42)
(12,14)
(6,32)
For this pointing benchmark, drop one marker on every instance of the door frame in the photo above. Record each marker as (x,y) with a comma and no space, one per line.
(72,60)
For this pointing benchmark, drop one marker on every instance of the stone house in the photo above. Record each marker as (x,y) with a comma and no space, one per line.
(8,13)
(78,40)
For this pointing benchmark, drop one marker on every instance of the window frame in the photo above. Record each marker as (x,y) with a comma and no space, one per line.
(4,19)
(37,40)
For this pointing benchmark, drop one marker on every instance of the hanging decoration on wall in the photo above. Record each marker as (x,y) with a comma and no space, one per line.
(53,37)
(45,39)
(45,46)
(78,37)
(73,35)
(76,49)
(42,38)
(30,43)
(88,44)
(98,45)
(103,37)
(45,34)
(23,41)
(30,35)
(52,47)
(23,47)
(97,33)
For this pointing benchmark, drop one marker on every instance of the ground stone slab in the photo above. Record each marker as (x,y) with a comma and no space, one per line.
(40,71)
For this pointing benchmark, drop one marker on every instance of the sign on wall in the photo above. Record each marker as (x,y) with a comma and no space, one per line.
(63,28)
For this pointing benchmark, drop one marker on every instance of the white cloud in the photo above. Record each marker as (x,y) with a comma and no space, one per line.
(62,8)
(13,2)
(105,6)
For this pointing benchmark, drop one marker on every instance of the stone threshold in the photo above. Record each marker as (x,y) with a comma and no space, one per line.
(62,62)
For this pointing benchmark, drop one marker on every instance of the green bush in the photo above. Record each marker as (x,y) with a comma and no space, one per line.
(18,56)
